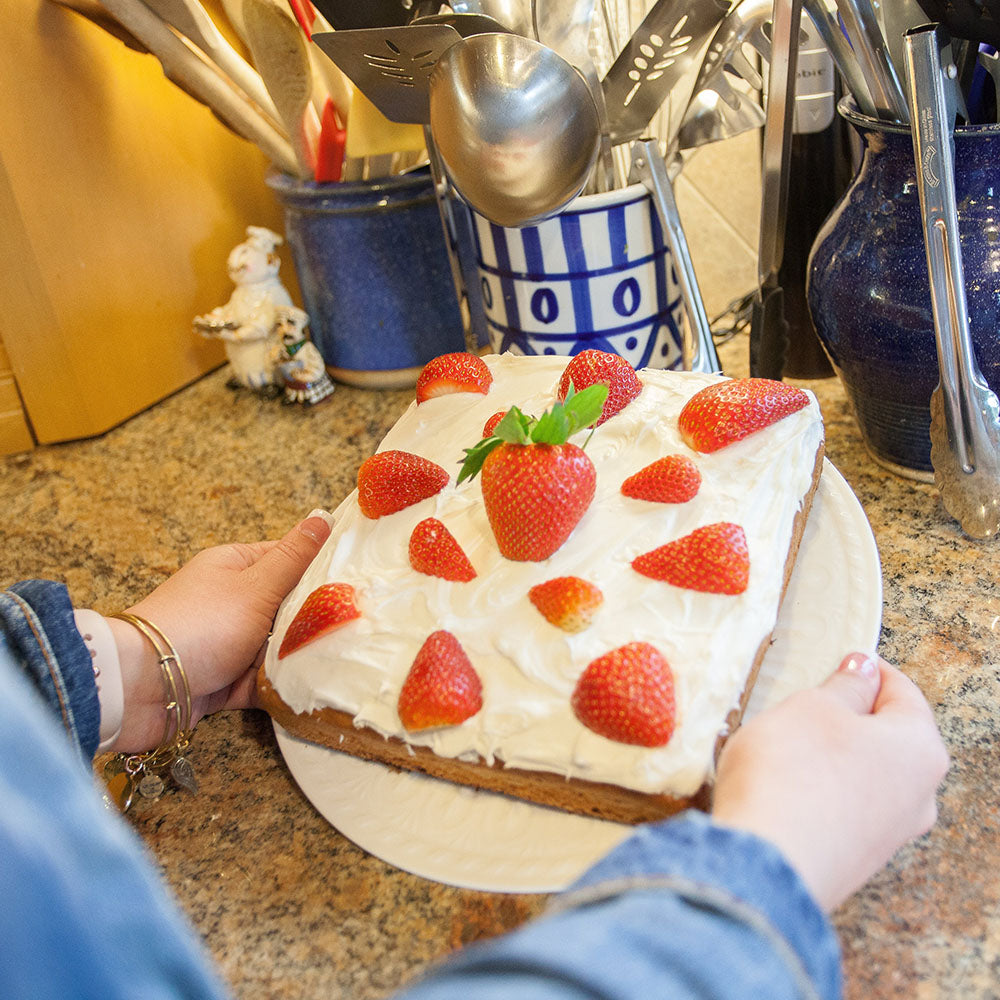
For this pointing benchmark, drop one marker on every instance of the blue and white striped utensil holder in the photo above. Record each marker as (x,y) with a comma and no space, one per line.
(598,275)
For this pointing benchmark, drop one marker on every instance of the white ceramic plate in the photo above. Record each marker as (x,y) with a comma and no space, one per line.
(478,840)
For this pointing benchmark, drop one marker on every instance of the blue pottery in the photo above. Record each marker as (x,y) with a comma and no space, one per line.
(869,294)
(373,268)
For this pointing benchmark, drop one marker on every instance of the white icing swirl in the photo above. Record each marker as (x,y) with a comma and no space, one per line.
(528,666)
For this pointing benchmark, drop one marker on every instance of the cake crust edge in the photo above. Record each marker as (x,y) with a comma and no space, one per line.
(336,730)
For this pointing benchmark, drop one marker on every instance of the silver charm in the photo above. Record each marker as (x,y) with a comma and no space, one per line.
(183,773)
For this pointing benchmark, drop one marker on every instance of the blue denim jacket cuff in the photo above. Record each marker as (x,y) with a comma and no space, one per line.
(696,857)
(36,618)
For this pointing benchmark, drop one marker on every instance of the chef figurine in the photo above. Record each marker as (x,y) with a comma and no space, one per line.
(246,323)
(297,360)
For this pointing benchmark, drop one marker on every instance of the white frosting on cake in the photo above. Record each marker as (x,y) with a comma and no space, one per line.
(528,666)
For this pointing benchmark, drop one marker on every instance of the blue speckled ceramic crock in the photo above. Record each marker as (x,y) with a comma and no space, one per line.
(869,293)
(372,265)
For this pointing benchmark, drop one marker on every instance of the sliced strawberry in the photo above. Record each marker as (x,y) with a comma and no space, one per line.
(326,608)
(600,368)
(458,372)
(672,479)
(569,602)
(491,425)
(392,480)
(713,559)
(627,695)
(729,411)
(442,687)
(434,551)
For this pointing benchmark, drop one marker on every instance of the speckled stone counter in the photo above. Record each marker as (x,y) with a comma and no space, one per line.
(288,906)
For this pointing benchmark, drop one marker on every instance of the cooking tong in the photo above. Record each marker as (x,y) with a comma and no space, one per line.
(965,417)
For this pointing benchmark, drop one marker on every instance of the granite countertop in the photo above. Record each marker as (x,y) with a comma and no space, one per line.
(292,909)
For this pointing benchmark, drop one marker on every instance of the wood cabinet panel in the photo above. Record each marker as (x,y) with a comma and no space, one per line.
(120,198)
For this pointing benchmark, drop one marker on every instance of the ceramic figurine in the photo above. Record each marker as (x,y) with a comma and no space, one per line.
(297,360)
(246,323)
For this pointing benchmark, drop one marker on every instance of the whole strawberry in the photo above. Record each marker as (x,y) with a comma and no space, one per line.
(326,608)
(729,411)
(448,373)
(568,602)
(600,368)
(388,481)
(433,550)
(671,479)
(442,687)
(627,695)
(536,485)
(713,559)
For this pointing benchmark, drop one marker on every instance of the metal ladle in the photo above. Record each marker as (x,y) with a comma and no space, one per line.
(515,126)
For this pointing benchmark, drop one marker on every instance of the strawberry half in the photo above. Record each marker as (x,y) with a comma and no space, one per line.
(434,551)
(491,425)
(627,695)
(536,486)
(392,480)
(729,411)
(600,368)
(326,608)
(713,559)
(458,372)
(672,479)
(568,602)
(442,687)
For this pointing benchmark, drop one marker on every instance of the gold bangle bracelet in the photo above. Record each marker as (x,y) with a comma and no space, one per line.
(126,773)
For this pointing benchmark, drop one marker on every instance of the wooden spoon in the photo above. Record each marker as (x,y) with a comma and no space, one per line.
(281,54)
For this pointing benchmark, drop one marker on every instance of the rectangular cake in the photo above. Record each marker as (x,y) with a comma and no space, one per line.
(342,688)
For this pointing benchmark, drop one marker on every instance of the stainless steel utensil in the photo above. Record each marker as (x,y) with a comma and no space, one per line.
(768,328)
(873,58)
(391,66)
(660,53)
(897,17)
(965,414)
(565,28)
(515,125)
(717,110)
(823,14)
(648,168)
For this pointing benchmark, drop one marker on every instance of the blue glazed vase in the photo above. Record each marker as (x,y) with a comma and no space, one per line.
(869,294)
(373,268)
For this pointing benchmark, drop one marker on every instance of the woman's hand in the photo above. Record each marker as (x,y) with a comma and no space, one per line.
(839,776)
(217,610)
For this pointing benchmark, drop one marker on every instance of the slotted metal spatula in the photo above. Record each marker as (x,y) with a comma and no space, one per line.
(965,415)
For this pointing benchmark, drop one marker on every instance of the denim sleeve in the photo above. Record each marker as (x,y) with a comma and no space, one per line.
(84,913)
(683,909)
(39,632)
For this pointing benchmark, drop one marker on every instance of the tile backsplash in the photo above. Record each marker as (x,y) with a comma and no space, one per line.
(718,196)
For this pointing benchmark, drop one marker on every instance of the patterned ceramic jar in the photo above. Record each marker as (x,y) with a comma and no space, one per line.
(598,275)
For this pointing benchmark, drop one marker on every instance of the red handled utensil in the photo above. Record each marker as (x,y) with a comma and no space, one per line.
(331,146)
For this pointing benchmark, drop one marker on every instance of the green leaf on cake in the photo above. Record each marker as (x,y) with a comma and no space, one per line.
(555,426)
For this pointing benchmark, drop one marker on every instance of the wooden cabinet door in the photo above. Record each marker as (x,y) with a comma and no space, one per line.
(120,199)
